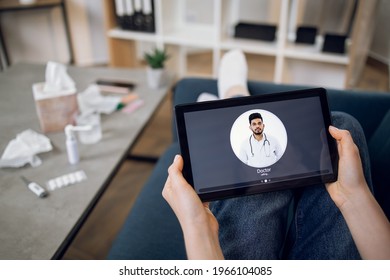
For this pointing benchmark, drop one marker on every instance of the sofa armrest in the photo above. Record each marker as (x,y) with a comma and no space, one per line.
(151,230)
(379,147)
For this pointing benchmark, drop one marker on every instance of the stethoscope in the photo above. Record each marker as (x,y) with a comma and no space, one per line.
(265,149)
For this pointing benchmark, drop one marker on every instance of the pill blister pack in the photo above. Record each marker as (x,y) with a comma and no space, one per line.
(66,180)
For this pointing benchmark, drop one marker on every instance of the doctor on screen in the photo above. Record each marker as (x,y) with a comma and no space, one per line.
(259,149)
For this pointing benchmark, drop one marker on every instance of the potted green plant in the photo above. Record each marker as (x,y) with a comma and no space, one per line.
(156,67)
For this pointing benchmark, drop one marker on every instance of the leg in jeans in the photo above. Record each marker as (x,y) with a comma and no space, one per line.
(253,227)
(319,230)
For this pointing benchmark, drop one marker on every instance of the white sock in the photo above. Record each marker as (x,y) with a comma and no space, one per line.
(233,71)
(205,96)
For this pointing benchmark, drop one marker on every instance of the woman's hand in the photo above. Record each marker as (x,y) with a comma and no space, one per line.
(351,179)
(366,221)
(199,225)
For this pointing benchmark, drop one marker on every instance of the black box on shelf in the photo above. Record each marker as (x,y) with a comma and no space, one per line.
(306,35)
(334,43)
(121,22)
(149,23)
(264,32)
(140,17)
(128,23)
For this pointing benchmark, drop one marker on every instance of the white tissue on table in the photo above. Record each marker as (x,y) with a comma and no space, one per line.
(57,78)
(24,148)
(91,100)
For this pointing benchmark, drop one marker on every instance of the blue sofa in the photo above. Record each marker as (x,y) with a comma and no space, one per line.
(151,230)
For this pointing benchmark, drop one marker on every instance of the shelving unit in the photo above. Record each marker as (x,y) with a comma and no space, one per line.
(179,29)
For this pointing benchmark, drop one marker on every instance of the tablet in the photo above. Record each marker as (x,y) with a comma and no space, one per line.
(255,144)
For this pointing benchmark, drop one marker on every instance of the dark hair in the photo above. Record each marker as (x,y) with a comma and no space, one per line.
(255,116)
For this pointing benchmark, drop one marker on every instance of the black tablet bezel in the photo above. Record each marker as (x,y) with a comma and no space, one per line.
(182,109)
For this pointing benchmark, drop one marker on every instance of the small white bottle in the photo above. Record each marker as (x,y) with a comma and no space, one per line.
(71,145)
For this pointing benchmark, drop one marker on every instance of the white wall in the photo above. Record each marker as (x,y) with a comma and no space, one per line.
(380,47)
(98,39)
(34,35)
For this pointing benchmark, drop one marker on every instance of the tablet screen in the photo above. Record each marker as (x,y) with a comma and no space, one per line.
(255,144)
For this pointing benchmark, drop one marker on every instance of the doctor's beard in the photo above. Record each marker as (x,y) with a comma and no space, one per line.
(257,131)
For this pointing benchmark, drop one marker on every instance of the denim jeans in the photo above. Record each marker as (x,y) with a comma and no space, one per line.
(290,224)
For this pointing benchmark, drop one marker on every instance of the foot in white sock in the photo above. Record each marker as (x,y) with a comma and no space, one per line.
(205,96)
(233,71)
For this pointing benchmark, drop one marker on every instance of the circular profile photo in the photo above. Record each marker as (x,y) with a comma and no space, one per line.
(258,138)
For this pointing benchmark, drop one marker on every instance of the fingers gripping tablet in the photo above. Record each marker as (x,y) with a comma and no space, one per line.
(255,144)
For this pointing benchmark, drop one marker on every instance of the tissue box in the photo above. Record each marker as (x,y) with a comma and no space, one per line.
(55,109)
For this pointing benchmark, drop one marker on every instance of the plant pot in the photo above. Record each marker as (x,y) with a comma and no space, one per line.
(156,77)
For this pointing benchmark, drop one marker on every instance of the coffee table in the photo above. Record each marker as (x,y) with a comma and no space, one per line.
(36,228)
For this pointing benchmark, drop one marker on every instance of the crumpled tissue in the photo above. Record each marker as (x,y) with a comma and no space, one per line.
(24,149)
(91,100)
(57,79)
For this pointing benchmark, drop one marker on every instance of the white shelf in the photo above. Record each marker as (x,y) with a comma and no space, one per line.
(178,27)
(132,35)
(313,53)
(250,46)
